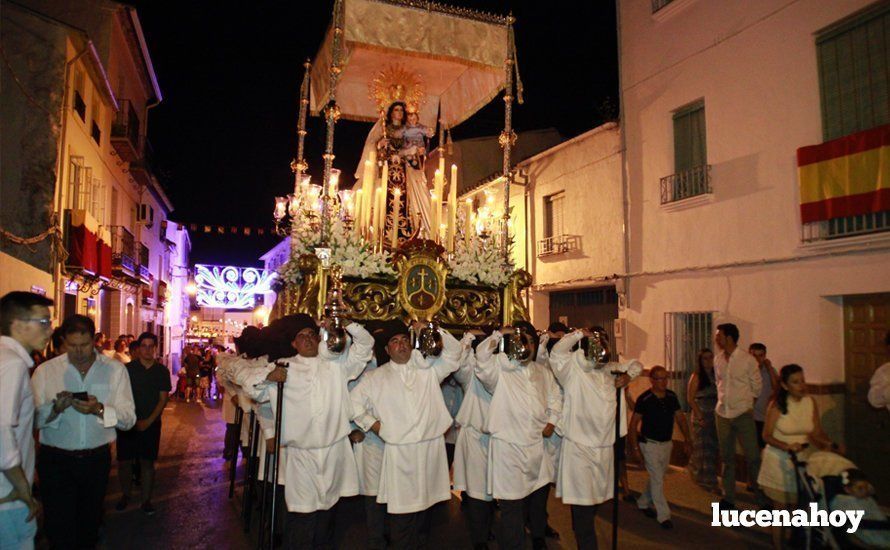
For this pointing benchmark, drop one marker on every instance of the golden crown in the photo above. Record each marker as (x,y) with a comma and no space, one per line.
(395,83)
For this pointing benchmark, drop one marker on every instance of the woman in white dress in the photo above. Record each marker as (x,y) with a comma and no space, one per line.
(792,425)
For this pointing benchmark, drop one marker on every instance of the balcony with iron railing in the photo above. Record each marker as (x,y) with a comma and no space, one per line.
(686,184)
(851,226)
(142,168)
(123,251)
(125,136)
(143,262)
(558,244)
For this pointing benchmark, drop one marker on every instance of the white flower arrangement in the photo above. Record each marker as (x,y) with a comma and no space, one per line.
(356,257)
(480,262)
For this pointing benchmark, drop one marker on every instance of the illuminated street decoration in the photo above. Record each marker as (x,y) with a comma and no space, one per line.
(230,287)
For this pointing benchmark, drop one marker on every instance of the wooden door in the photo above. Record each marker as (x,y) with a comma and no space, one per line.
(867,430)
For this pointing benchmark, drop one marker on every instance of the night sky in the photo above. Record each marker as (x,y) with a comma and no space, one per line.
(230,72)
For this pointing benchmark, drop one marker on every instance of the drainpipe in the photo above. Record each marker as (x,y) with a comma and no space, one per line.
(58,210)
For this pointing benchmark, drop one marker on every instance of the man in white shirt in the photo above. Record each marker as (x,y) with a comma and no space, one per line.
(25,326)
(401,401)
(525,408)
(81,397)
(738,385)
(879,385)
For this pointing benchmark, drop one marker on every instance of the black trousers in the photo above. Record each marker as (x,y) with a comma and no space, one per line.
(409,531)
(314,530)
(230,449)
(479,514)
(759,426)
(584,526)
(73,492)
(375,519)
(511,535)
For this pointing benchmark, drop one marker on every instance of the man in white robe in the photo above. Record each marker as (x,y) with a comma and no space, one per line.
(368,450)
(525,408)
(471,449)
(320,467)
(402,402)
(586,462)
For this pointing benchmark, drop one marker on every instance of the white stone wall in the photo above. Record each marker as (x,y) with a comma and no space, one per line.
(587,169)
(754,65)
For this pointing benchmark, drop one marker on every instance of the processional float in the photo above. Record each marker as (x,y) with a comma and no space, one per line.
(446,63)
(368,250)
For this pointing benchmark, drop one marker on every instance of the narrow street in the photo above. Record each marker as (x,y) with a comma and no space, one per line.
(194,511)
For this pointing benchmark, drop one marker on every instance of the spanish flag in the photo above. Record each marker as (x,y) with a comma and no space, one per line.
(844,177)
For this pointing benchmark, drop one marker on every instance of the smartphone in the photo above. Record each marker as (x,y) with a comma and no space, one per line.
(80,395)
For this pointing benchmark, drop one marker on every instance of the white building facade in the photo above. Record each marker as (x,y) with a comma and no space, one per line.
(119,260)
(717,98)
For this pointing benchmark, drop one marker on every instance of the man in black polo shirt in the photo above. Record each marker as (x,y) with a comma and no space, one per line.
(150,381)
(658,409)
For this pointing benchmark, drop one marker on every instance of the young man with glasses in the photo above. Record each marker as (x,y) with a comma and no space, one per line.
(658,410)
(25,327)
(150,382)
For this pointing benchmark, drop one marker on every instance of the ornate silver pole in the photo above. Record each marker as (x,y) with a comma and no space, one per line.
(299,164)
(331,113)
(508,137)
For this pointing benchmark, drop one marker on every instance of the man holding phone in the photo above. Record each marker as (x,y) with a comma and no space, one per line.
(81,397)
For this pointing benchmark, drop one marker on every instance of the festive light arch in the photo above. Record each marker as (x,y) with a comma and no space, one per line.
(231,287)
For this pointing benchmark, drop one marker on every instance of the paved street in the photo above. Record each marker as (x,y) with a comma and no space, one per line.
(194,511)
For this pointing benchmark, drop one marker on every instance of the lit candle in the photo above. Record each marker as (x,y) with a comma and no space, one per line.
(378,207)
(452,208)
(439,187)
(434,214)
(397,205)
(468,221)
(357,220)
(368,189)
(381,219)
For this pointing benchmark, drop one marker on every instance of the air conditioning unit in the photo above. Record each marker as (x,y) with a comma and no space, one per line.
(145,215)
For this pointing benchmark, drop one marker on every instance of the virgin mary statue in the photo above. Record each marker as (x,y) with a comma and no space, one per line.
(402,142)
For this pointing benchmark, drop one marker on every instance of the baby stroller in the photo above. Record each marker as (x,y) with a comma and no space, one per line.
(813,485)
(810,489)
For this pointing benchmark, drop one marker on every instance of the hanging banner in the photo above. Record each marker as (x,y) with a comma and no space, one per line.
(848,176)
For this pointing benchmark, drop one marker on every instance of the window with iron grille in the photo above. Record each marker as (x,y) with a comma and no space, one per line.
(854,90)
(553,224)
(685,334)
(854,83)
(691,175)
(553,214)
